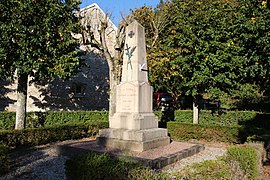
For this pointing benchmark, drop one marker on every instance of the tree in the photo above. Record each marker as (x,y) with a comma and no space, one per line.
(97,38)
(215,47)
(36,41)
(164,75)
(201,37)
(251,34)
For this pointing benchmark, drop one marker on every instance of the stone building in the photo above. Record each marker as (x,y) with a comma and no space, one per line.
(87,90)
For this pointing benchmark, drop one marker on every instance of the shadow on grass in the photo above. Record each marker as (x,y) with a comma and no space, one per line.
(257,129)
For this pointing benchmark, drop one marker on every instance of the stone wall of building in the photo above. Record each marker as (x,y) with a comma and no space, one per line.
(87,90)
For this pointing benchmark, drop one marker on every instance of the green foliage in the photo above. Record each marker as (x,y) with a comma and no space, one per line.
(247,93)
(163,72)
(240,162)
(145,173)
(4,159)
(46,119)
(32,137)
(231,126)
(201,34)
(228,118)
(247,158)
(103,166)
(210,169)
(36,38)
(36,41)
(209,133)
(217,47)
(7,120)
(64,117)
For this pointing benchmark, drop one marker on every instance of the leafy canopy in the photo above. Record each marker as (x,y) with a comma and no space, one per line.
(36,38)
(219,46)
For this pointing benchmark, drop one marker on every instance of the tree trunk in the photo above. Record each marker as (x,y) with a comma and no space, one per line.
(21,101)
(112,103)
(195,112)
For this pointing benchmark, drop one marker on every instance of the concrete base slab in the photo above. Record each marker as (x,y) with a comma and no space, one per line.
(134,140)
(133,135)
(138,146)
(155,158)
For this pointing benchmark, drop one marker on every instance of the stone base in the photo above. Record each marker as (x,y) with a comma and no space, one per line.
(134,140)
(135,121)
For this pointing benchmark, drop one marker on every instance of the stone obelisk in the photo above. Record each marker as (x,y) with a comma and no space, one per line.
(134,126)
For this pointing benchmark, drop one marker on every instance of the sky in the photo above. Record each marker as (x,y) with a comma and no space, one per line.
(116,7)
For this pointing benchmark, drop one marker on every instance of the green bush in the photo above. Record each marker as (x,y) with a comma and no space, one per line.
(7,120)
(46,119)
(209,169)
(102,166)
(247,159)
(240,162)
(64,117)
(184,132)
(37,136)
(4,159)
(227,118)
(235,127)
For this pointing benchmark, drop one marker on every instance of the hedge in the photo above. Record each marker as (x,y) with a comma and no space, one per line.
(227,118)
(240,162)
(247,158)
(102,166)
(184,132)
(4,159)
(37,136)
(7,120)
(46,119)
(235,127)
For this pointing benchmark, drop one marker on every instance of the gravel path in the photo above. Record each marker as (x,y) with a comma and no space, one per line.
(210,153)
(40,164)
(46,163)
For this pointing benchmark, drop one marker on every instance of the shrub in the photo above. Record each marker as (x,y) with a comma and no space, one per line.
(37,136)
(65,117)
(244,156)
(145,173)
(240,162)
(209,169)
(4,159)
(228,118)
(46,119)
(183,131)
(97,166)
(7,120)
(103,166)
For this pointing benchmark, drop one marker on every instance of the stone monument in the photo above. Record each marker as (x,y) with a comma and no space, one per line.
(134,126)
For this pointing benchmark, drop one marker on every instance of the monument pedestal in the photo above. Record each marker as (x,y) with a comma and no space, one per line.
(134,140)
(134,125)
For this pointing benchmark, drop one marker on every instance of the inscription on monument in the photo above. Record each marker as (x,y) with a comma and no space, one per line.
(127,98)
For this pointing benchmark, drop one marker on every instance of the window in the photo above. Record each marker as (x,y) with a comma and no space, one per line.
(78,89)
